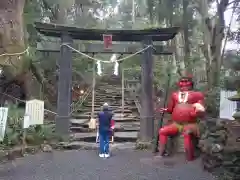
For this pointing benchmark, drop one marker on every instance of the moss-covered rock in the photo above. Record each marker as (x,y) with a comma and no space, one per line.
(221,151)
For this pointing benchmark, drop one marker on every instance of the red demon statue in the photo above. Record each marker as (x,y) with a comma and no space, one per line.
(185,105)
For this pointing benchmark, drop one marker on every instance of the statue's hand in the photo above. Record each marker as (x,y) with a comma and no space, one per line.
(198,107)
(193,113)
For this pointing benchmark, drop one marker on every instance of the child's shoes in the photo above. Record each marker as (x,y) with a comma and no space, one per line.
(107,155)
(101,155)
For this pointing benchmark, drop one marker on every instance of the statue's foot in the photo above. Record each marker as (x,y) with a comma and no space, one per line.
(161,155)
(189,156)
(165,154)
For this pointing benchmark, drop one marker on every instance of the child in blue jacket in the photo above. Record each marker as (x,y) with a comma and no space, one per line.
(104,129)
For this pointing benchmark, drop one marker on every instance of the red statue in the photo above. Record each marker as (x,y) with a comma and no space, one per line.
(185,105)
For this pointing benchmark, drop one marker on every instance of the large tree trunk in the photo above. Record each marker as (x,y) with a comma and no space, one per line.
(185,23)
(12,38)
(213,29)
(11,30)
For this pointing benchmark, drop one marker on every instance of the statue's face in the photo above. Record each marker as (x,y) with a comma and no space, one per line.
(185,85)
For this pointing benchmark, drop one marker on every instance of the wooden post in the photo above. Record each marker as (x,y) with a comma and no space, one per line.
(133,11)
(64,87)
(147,119)
(93,90)
(123,88)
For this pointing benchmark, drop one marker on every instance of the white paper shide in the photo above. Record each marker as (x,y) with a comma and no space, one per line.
(26,121)
(3,121)
(35,111)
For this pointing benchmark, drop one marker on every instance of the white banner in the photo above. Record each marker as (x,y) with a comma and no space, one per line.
(3,121)
(35,111)
(227,108)
(26,121)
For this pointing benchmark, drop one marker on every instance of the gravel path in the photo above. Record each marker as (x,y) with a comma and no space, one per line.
(86,165)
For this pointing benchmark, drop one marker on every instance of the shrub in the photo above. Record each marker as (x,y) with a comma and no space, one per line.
(35,135)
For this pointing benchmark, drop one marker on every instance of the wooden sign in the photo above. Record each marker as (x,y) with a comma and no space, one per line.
(3,121)
(107,39)
(35,111)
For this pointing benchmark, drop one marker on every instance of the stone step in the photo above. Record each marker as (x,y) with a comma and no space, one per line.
(103,100)
(87,109)
(100,104)
(79,129)
(89,105)
(133,108)
(89,113)
(80,116)
(104,93)
(119,127)
(107,96)
(118,136)
(79,122)
(115,115)
(94,146)
(86,117)
(118,124)
(125,126)
(119,111)
(127,119)
(115,96)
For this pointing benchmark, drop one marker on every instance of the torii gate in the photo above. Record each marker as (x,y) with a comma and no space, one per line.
(146,37)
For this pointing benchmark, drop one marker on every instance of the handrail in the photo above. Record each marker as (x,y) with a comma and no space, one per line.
(82,99)
(138,105)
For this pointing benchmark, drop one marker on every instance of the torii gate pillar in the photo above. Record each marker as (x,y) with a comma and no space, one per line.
(64,87)
(146,115)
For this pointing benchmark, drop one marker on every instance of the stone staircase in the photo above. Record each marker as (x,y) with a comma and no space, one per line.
(127,125)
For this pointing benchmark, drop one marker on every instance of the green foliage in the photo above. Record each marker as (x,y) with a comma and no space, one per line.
(232,60)
(35,135)
(14,128)
(213,101)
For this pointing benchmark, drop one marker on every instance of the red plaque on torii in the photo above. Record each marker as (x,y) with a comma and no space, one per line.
(107,39)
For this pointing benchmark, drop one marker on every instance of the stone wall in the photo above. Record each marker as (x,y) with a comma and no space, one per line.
(221,148)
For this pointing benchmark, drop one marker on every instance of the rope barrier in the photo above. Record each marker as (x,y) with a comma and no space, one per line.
(25,102)
(95,59)
(15,54)
(90,57)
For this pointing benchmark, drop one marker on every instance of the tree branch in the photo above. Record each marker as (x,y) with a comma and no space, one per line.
(48,7)
(228,31)
(233,2)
